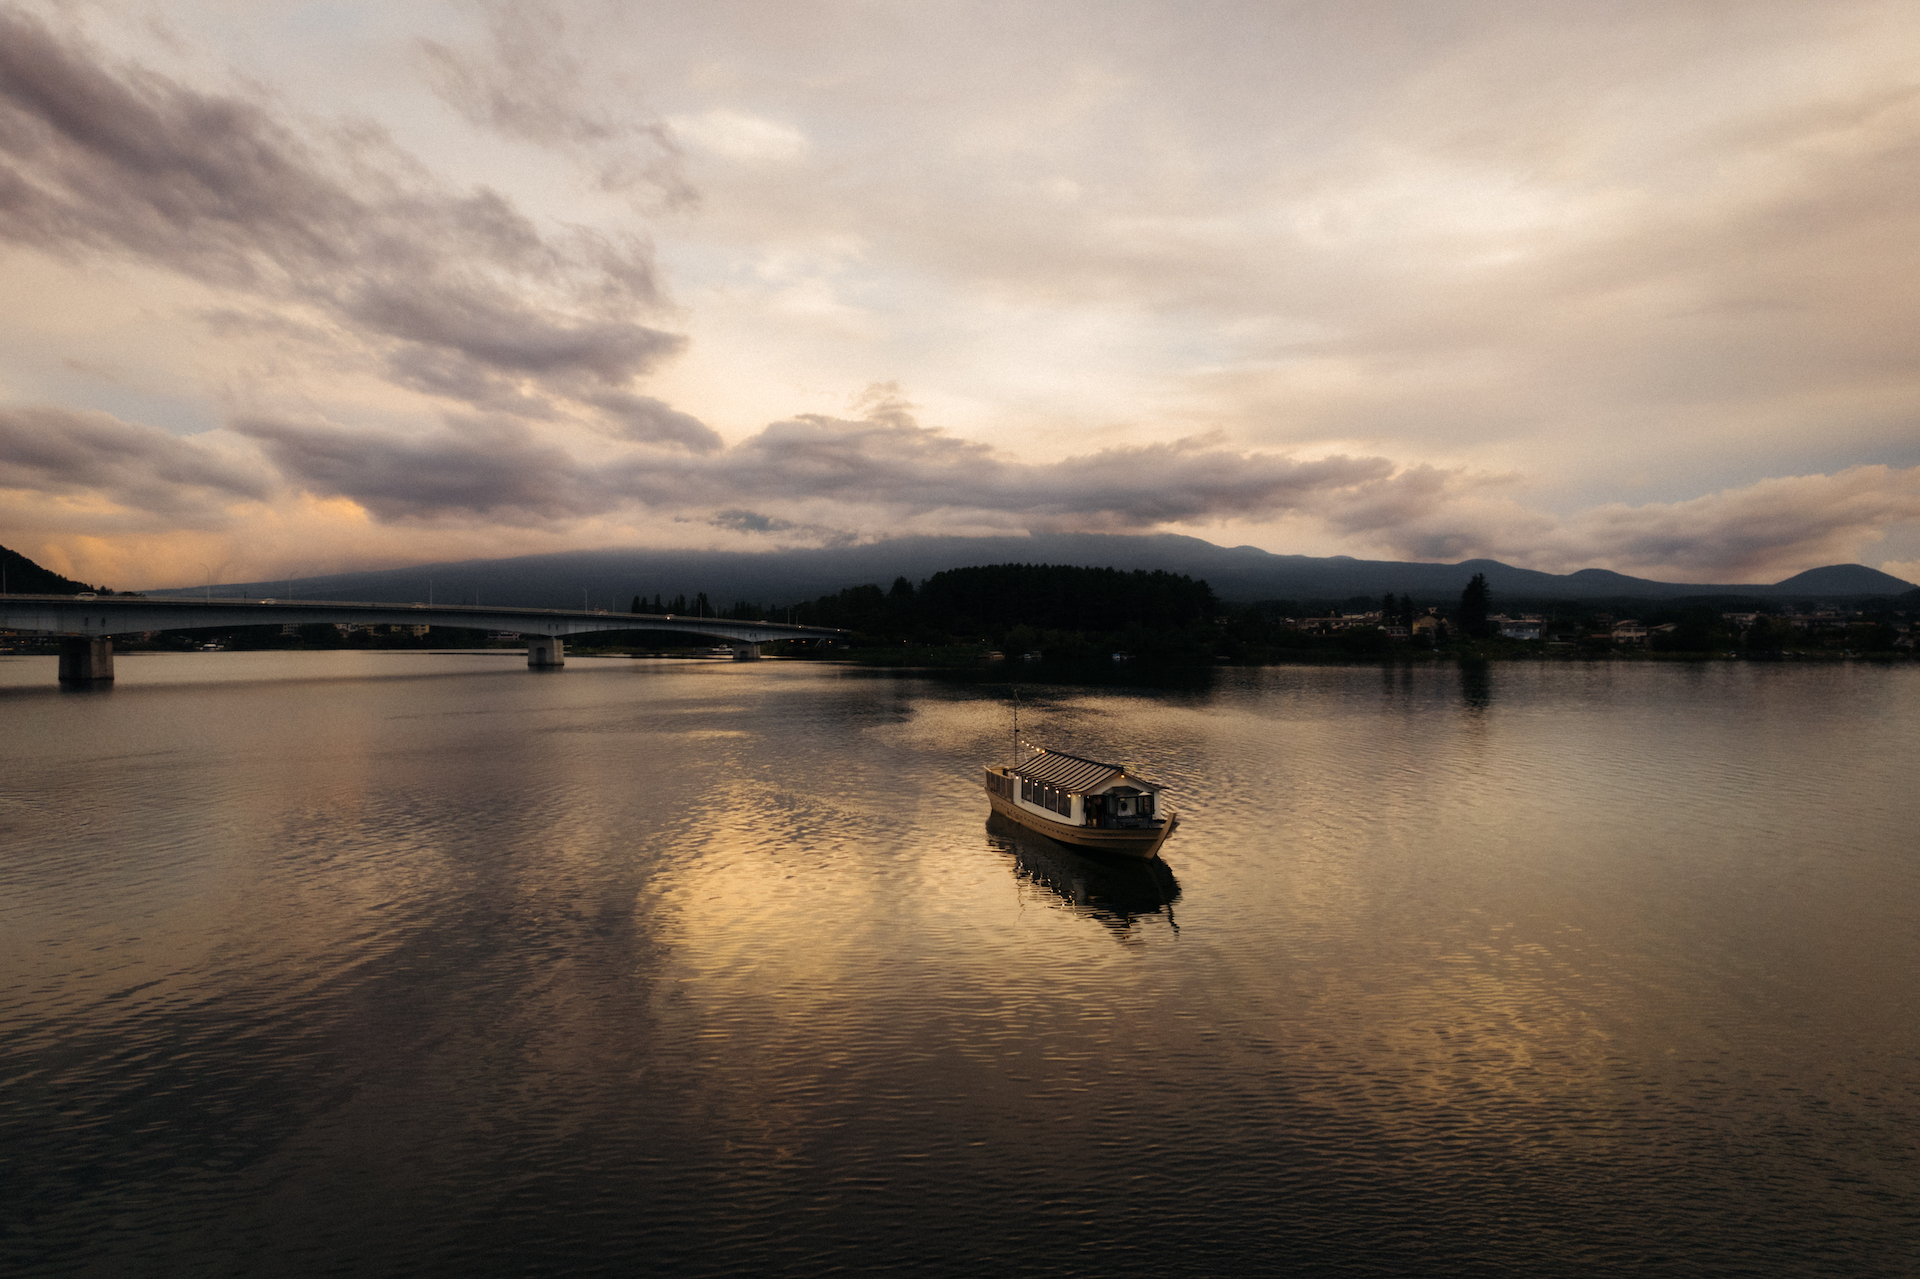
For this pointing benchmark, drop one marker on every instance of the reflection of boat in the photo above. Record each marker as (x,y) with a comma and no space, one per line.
(1117,893)
(1083,802)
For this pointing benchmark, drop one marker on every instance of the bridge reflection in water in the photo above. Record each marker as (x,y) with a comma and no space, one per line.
(86,624)
(1120,893)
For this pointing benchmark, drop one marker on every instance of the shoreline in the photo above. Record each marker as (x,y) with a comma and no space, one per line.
(1333,657)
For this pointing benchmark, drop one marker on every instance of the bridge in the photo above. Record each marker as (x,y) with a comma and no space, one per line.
(88,623)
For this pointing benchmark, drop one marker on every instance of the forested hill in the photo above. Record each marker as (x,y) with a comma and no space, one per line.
(24,577)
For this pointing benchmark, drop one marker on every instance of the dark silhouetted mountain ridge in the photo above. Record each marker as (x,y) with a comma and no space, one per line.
(611,578)
(23,577)
(1843,579)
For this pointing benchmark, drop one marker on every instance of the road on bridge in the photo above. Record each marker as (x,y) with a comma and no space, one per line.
(88,623)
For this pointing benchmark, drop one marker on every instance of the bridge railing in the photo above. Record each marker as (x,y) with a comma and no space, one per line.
(93,620)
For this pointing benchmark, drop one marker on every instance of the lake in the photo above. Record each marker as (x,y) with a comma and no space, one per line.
(402,963)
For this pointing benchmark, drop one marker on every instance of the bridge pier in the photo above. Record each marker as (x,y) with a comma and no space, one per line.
(546,652)
(86,661)
(746,652)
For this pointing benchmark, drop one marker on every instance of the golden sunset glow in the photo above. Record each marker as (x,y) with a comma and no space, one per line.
(337,287)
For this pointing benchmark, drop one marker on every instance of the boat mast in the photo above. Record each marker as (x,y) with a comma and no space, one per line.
(1014,762)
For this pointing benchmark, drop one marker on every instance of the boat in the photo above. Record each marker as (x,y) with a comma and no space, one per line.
(1084,803)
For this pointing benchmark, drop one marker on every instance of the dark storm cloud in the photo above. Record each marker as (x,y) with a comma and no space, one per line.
(922,471)
(461,293)
(645,420)
(879,471)
(492,330)
(486,468)
(48,450)
(496,468)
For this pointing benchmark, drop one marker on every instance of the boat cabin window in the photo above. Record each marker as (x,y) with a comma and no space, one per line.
(1051,798)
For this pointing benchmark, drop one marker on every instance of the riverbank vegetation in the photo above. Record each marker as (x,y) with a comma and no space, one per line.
(1073,614)
(1062,612)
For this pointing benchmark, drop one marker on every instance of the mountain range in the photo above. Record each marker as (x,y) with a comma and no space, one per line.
(611,578)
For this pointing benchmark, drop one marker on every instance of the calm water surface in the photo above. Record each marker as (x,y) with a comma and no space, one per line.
(404,963)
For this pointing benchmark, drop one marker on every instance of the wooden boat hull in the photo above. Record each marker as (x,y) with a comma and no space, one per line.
(1127,843)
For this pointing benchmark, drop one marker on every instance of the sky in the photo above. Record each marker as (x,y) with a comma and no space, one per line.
(298,288)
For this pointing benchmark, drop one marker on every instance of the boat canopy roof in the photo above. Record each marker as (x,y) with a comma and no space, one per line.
(1074,774)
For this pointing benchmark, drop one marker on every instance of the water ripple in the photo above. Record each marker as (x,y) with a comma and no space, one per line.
(411,963)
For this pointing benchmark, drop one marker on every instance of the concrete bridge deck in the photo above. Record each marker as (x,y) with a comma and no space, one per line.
(87,624)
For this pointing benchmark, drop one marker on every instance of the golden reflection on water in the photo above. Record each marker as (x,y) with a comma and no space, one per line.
(1454,966)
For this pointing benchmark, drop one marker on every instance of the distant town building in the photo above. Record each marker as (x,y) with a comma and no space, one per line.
(1339,622)
(1531,626)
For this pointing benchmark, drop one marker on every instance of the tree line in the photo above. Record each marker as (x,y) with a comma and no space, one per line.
(1063,610)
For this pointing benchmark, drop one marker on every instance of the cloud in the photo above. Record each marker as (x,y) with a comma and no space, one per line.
(885,465)
(898,469)
(809,479)
(491,468)
(736,135)
(1801,520)
(642,419)
(1628,238)
(891,469)
(489,329)
(1333,293)
(55,451)
(459,293)
(751,522)
(1757,532)
(754,523)
(523,82)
